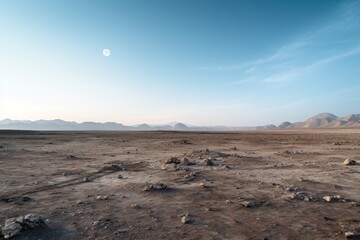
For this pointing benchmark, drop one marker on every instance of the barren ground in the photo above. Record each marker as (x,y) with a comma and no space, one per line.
(263,185)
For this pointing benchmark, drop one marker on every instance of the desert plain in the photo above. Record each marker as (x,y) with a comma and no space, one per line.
(280,184)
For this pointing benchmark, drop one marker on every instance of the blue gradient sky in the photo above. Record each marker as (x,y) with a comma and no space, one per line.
(202,62)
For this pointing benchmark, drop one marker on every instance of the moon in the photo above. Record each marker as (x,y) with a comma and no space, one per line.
(106,52)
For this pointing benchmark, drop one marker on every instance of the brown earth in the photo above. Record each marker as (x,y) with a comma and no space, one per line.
(262,185)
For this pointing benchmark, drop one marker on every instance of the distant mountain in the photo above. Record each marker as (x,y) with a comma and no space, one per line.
(323,120)
(180,127)
(284,125)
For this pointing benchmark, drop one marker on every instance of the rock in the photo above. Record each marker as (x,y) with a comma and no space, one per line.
(79,202)
(185,219)
(158,186)
(11,229)
(332,198)
(96,223)
(208,162)
(189,177)
(64,174)
(172,167)
(173,160)
(85,179)
(13,226)
(102,197)
(327,198)
(120,176)
(349,162)
(135,206)
(185,161)
(228,201)
(349,235)
(33,220)
(202,185)
(71,157)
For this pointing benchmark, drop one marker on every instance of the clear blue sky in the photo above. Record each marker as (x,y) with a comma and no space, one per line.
(202,62)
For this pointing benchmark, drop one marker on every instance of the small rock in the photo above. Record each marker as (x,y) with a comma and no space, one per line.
(135,206)
(102,197)
(228,201)
(85,179)
(332,198)
(202,185)
(96,223)
(327,198)
(79,202)
(185,219)
(173,160)
(349,162)
(349,235)
(120,176)
(187,162)
(158,186)
(208,162)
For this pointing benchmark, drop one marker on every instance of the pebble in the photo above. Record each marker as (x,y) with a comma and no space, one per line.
(185,219)
(349,162)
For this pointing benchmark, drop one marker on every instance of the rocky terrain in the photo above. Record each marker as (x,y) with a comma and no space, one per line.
(279,184)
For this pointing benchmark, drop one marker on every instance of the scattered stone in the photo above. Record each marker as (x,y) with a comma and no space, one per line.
(33,220)
(112,168)
(355,204)
(189,178)
(349,235)
(71,157)
(335,198)
(13,226)
(203,185)
(304,196)
(208,162)
(185,219)
(158,186)
(327,198)
(224,166)
(349,162)
(11,229)
(185,161)
(135,206)
(173,160)
(102,197)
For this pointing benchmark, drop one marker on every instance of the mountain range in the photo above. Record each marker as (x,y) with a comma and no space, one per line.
(323,120)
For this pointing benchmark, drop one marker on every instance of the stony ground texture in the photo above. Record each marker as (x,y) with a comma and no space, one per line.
(179,185)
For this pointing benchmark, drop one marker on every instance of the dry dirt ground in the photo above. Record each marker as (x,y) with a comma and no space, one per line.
(262,185)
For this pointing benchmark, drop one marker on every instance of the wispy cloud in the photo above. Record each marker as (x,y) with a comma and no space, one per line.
(336,40)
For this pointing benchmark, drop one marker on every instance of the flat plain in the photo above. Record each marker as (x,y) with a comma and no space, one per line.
(141,185)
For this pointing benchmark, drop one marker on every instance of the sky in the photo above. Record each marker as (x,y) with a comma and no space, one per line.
(201,62)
